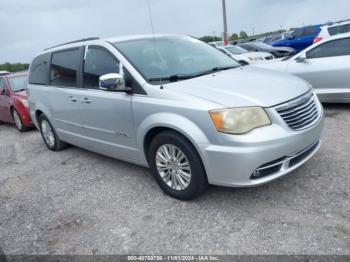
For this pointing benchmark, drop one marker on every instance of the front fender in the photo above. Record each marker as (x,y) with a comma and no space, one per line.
(179,123)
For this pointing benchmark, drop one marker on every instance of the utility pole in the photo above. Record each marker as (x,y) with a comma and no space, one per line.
(225,22)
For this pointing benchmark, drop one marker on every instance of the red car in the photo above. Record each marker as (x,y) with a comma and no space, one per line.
(14,106)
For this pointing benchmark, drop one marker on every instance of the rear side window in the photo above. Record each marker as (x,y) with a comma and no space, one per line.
(330,49)
(347,28)
(98,62)
(39,70)
(64,68)
(341,29)
(310,31)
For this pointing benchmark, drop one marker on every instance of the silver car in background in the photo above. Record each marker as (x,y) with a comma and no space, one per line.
(176,105)
(326,65)
(243,56)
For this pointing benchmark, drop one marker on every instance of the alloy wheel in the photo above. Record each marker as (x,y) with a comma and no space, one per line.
(173,167)
(17,119)
(47,133)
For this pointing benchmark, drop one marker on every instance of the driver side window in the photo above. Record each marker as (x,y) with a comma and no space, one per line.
(339,47)
(98,62)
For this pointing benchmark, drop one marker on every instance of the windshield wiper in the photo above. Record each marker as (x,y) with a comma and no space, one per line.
(176,77)
(20,90)
(220,68)
(172,78)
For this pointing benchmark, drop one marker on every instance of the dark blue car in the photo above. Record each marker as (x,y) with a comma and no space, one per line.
(300,38)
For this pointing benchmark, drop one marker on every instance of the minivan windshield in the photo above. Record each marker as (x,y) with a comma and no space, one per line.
(173,58)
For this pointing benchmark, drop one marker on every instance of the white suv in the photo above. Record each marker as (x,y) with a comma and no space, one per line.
(333,29)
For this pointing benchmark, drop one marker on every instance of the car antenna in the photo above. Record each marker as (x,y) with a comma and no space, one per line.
(154,38)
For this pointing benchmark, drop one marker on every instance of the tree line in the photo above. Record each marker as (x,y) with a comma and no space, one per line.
(241,35)
(16,67)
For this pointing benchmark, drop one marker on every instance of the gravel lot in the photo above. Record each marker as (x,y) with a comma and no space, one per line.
(78,202)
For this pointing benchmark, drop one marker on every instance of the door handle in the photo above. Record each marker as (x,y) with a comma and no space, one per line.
(85,100)
(73,99)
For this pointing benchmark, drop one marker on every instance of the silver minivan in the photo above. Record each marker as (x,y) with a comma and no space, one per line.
(176,105)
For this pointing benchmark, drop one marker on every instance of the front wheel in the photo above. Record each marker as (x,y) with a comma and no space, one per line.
(49,135)
(18,121)
(176,166)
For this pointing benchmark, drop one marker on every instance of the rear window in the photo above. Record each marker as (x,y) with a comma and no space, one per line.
(276,38)
(64,68)
(311,30)
(340,29)
(248,47)
(18,83)
(39,70)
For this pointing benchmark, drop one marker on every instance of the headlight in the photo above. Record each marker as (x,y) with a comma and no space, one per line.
(25,102)
(239,120)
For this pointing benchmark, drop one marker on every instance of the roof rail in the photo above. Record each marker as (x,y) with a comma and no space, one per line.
(72,42)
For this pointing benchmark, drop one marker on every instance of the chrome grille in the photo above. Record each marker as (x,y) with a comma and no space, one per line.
(300,113)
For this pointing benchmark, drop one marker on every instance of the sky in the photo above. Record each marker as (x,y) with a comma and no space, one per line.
(27,27)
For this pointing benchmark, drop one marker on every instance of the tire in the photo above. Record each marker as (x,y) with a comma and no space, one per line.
(51,140)
(188,188)
(18,121)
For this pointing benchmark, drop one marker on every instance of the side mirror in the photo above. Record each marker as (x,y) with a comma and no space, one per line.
(3,92)
(113,82)
(301,59)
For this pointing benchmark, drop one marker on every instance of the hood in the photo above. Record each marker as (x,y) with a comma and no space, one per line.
(243,86)
(21,94)
(277,65)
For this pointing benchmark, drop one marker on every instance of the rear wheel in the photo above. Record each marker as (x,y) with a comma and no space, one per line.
(176,166)
(49,135)
(18,121)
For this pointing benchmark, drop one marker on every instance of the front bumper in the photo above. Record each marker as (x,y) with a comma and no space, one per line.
(25,115)
(27,120)
(275,146)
